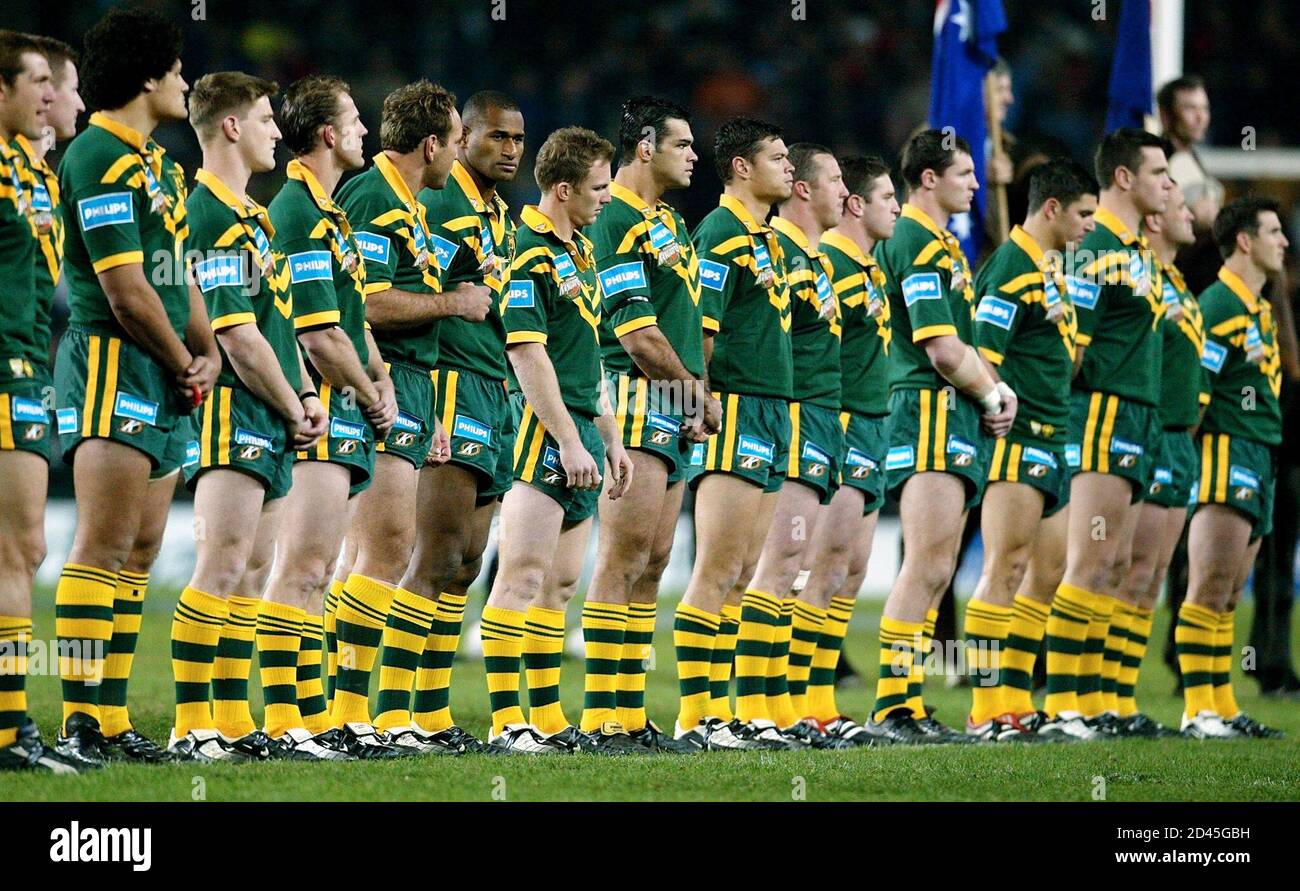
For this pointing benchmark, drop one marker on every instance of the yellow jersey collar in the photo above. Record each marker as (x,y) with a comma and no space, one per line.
(394,179)
(130,136)
(627,196)
(532,217)
(467,185)
(1026,243)
(1175,275)
(1105,217)
(849,247)
(301,172)
(915,214)
(1239,287)
(244,208)
(741,212)
(29,152)
(794,233)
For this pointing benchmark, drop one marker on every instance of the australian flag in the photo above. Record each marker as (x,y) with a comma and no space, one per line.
(965,48)
(1130,72)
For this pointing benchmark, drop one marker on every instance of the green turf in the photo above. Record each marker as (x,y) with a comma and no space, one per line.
(1122,771)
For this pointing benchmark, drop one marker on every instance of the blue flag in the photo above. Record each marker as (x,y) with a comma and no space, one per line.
(1130,72)
(965,48)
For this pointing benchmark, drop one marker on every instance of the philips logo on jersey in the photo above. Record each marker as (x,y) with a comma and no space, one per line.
(824,290)
(252,438)
(1240,476)
(921,286)
(564,265)
(114,209)
(713,275)
(135,408)
(226,270)
(41,198)
(996,312)
(1038,456)
(900,458)
(341,429)
(660,237)
(472,429)
(1082,292)
(67,420)
(443,250)
(520,295)
(374,247)
(1163,476)
(811,452)
(753,447)
(622,277)
(663,422)
(310,266)
(1213,356)
(407,422)
(28,410)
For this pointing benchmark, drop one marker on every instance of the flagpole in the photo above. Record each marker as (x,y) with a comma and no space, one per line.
(995,143)
(1166,47)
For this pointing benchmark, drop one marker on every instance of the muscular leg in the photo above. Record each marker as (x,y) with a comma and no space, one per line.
(24,479)
(1225,701)
(544,629)
(1154,538)
(1217,544)
(1031,618)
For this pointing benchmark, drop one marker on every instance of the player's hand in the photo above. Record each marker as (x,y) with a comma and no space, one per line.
(620,469)
(472,301)
(201,375)
(999,424)
(382,414)
(712,417)
(440,450)
(580,468)
(312,425)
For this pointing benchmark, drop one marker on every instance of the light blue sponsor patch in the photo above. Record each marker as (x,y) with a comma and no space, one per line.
(521,295)
(623,277)
(443,250)
(564,265)
(900,458)
(469,428)
(1240,476)
(857,458)
(1253,341)
(113,209)
(1082,292)
(406,421)
(664,422)
(1038,456)
(697,455)
(1124,447)
(128,406)
(660,237)
(374,247)
(1073,455)
(551,460)
(1213,356)
(192,453)
(753,447)
(996,312)
(1168,294)
(1163,475)
(252,438)
(762,259)
(41,198)
(28,410)
(310,266)
(67,420)
(222,271)
(812,452)
(921,286)
(959,446)
(713,275)
(824,290)
(341,429)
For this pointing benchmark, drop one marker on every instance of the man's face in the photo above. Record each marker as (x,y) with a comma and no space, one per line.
(674,157)
(494,144)
(589,196)
(438,166)
(348,133)
(1151,182)
(258,135)
(772,174)
(1176,221)
(880,208)
(1268,247)
(955,188)
(1191,114)
(27,100)
(67,103)
(1075,220)
(168,102)
(826,191)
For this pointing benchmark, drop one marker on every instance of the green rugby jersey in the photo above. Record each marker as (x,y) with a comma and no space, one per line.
(930,290)
(47,216)
(242,276)
(745,303)
(815,318)
(1184,384)
(859,284)
(1118,301)
(128,201)
(1015,330)
(473,241)
(649,275)
(553,298)
(18,252)
(1242,357)
(326,272)
(393,234)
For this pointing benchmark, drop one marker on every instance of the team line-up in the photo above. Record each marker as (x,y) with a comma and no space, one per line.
(351,378)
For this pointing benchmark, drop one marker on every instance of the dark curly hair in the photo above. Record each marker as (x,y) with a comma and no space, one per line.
(123,50)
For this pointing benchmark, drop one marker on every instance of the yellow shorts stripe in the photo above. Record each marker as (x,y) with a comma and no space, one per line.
(845,418)
(223,425)
(1107,431)
(711,448)
(521,437)
(1013,463)
(323,444)
(729,445)
(534,450)
(1221,469)
(109,395)
(1090,432)
(205,448)
(620,413)
(92,386)
(6,423)
(923,439)
(941,432)
(793,470)
(1207,467)
(639,410)
(995,467)
(449,401)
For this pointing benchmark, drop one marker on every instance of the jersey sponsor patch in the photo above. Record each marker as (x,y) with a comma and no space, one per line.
(1241,476)
(41,202)
(407,421)
(225,270)
(245,437)
(551,460)
(113,209)
(470,428)
(697,455)
(28,410)
(858,458)
(623,277)
(753,447)
(762,259)
(310,266)
(521,295)
(1038,456)
(663,422)
(824,290)
(813,452)
(1073,455)
(1163,476)
(443,250)
(660,237)
(341,429)
(135,408)
(963,452)
(564,267)
(67,420)
(900,458)
(921,286)
(374,247)
(1082,292)
(1213,356)
(192,453)
(996,312)
(713,275)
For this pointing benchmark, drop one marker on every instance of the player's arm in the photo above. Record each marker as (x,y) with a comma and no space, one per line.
(202,344)
(620,465)
(390,308)
(332,354)
(254,360)
(139,310)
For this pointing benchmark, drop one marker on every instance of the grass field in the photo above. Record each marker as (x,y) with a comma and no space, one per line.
(1129,770)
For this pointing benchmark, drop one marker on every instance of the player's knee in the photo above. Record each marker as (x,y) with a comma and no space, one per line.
(24,552)
(655,567)
(467,573)
(932,573)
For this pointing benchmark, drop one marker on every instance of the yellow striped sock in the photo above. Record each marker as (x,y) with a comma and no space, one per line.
(760,613)
(805,628)
(196,628)
(694,632)
(1225,703)
(83,622)
(1195,636)
(779,704)
(15,639)
(1121,617)
(721,661)
(1135,650)
(543,653)
(900,645)
(604,625)
(358,629)
(502,632)
(638,642)
(826,659)
(1024,640)
(311,691)
(405,632)
(330,629)
(1067,632)
(916,683)
(432,706)
(232,668)
(279,633)
(987,625)
(1092,701)
(128,607)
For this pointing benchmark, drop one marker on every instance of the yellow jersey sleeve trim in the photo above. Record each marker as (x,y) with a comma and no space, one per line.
(713,326)
(126,258)
(220,323)
(376,287)
(635,325)
(1083,339)
(324,317)
(929,331)
(992,355)
(515,337)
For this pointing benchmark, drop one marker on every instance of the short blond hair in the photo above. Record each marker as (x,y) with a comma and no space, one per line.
(567,155)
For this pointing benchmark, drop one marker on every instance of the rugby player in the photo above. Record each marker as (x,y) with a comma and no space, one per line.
(564,430)
(943,398)
(652,343)
(1025,326)
(262,409)
(745,303)
(138,355)
(1239,436)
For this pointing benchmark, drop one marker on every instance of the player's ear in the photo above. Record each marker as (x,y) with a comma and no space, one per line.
(329,137)
(230,127)
(563,191)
